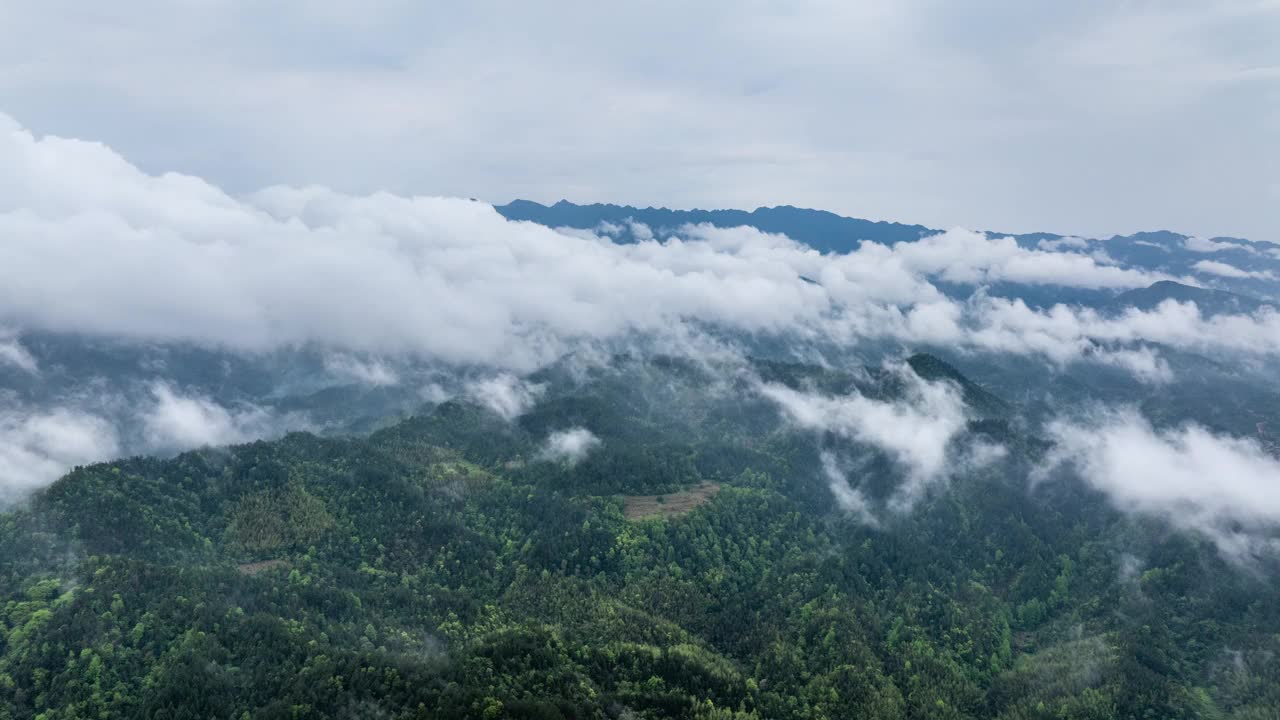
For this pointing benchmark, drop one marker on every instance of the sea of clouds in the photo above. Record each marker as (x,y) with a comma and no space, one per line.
(94,246)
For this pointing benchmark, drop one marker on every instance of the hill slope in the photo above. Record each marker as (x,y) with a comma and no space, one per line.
(447,567)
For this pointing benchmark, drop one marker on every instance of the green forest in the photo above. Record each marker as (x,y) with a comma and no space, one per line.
(441,567)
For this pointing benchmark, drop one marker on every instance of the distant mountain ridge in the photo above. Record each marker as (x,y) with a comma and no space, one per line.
(1210,302)
(1254,266)
(818,229)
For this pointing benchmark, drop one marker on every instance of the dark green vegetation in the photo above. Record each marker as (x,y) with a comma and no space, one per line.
(437,568)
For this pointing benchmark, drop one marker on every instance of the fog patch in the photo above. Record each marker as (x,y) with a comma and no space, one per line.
(570,446)
(506,394)
(848,498)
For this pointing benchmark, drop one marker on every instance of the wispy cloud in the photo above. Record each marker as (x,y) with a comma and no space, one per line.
(1221,269)
(506,394)
(13,353)
(914,430)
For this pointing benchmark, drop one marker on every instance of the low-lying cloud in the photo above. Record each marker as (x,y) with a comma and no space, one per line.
(94,245)
(1227,270)
(1225,487)
(915,430)
(848,498)
(506,394)
(371,371)
(36,448)
(178,421)
(39,445)
(570,446)
(1206,245)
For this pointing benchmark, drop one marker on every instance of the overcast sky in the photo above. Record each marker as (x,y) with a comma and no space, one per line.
(1081,117)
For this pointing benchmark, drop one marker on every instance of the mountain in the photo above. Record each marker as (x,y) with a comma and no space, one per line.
(691,564)
(1251,267)
(818,229)
(1210,302)
(932,368)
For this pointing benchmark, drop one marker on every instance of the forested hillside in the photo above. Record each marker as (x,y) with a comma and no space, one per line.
(456,564)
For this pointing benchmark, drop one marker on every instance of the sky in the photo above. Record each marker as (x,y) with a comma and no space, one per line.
(1088,118)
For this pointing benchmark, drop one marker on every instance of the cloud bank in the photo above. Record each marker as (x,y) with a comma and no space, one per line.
(171,258)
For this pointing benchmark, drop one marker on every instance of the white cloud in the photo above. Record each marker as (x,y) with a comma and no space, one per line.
(980,454)
(36,448)
(1067,243)
(1205,245)
(1225,487)
(607,228)
(969,257)
(368,278)
(640,231)
(369,371)
(1221,269)
(848,498)
(177,421)
(506,394)
(915,430)
(570,445)
(1144,363)
(1065,334)
(13,353)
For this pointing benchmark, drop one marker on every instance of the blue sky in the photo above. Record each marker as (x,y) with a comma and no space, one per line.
(1090,118)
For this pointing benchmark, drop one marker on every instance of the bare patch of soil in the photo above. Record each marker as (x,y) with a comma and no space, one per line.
(641,507)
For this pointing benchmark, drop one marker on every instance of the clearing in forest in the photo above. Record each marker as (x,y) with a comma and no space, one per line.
(640,507)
